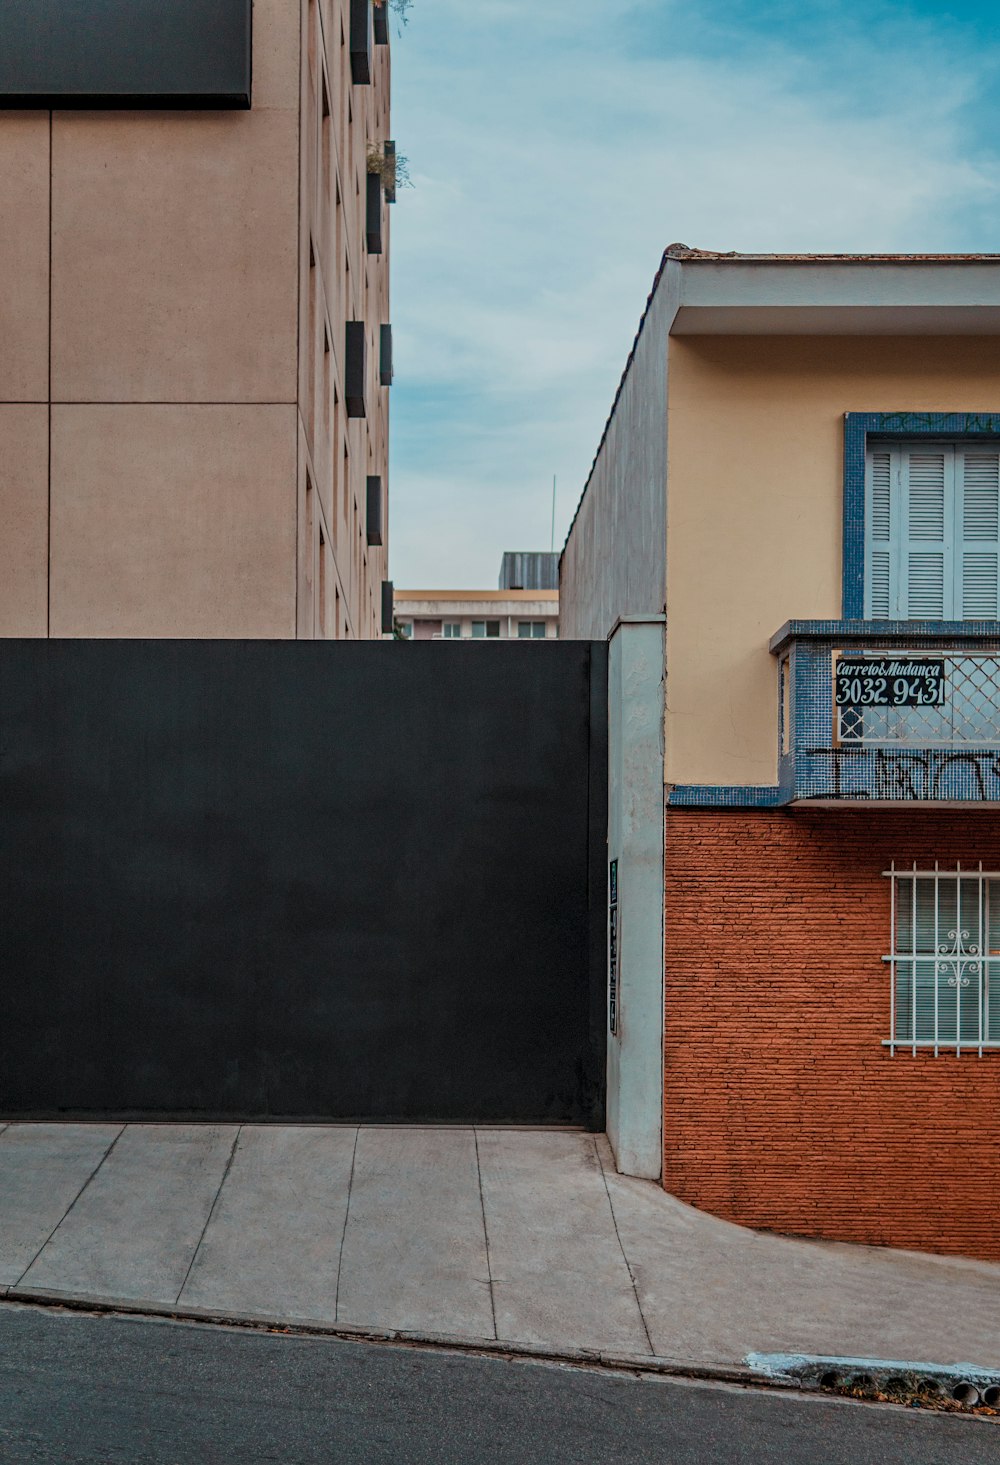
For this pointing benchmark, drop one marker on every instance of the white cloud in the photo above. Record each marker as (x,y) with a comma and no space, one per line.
(551,167)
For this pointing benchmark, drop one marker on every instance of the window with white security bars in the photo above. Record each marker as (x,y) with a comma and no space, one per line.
(945,960)
(932,531)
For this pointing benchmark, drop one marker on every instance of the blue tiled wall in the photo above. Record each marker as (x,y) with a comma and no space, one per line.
(857,428)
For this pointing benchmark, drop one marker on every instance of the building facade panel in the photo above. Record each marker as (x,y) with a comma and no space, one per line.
(783,1109)
(755,517)
(276,42)
(173,257)
(24,257)
(174,521)
(24,508)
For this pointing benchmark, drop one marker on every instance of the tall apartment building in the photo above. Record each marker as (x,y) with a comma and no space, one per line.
(791,534)
(195,347)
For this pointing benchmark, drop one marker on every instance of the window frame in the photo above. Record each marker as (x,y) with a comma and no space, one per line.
(858,427)
(954,963)
(967,562)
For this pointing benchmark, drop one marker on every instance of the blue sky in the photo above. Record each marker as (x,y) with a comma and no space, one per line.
(557,148)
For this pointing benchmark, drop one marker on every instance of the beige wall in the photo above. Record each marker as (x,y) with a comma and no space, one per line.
(154,321)
(754,500)
(173,256)
(24,256)
(128,477)
(24,511)
(24,372)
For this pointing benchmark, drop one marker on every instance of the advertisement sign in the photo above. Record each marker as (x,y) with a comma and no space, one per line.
(906,681)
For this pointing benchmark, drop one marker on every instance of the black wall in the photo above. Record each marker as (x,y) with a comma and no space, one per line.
(125,53)
(318,880)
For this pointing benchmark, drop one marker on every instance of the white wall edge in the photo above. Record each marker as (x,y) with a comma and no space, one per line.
(635,840)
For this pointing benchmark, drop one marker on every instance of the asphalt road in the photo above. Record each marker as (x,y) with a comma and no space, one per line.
(77,1388)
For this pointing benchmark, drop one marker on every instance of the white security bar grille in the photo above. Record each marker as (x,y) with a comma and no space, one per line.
(945,960)
(889,708)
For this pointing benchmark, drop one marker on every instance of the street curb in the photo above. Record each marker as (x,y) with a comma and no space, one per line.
(633,1363)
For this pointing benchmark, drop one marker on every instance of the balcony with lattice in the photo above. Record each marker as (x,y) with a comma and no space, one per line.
(889,712)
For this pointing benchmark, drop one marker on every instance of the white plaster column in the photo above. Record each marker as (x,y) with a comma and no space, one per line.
(635,841)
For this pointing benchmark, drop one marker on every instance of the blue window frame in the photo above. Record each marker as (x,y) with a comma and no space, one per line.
(858,427)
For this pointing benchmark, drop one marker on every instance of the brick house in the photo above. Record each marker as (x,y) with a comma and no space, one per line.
(797,497)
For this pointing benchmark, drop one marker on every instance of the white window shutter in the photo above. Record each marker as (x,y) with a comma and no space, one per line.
(927,479)
(880,521)
(932,531)
(979,545)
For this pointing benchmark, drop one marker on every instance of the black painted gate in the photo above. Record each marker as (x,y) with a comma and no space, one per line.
(303,880)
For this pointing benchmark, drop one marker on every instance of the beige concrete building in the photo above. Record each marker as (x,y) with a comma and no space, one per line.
(524,607)
(491,615)
(194,313)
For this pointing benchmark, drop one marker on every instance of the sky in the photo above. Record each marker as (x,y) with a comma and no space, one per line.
(556,147)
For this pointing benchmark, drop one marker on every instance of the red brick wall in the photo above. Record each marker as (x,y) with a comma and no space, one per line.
(782,1109)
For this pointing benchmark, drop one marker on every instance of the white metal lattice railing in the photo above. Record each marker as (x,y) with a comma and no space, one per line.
(963,711)
(945,959)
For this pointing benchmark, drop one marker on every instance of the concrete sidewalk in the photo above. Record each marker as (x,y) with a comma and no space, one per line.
(525,1237)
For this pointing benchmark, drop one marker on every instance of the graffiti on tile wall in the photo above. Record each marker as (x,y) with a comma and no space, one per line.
(886,773)
(931,422)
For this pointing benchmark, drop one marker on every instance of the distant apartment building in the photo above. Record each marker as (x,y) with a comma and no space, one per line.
(194,298)
(793,519)
(525,607)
